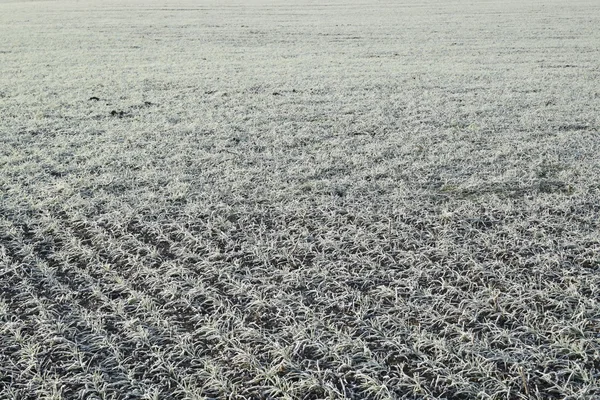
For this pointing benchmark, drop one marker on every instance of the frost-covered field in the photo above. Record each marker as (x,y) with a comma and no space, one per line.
(299,200)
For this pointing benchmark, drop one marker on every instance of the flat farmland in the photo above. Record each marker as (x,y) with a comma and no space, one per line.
(299,200)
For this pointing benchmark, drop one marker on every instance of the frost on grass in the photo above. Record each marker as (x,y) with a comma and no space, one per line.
(251,202)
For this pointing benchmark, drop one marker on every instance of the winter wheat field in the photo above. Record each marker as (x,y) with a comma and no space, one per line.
(299,200)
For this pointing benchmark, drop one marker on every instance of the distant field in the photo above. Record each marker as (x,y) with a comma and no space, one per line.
(299,200)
